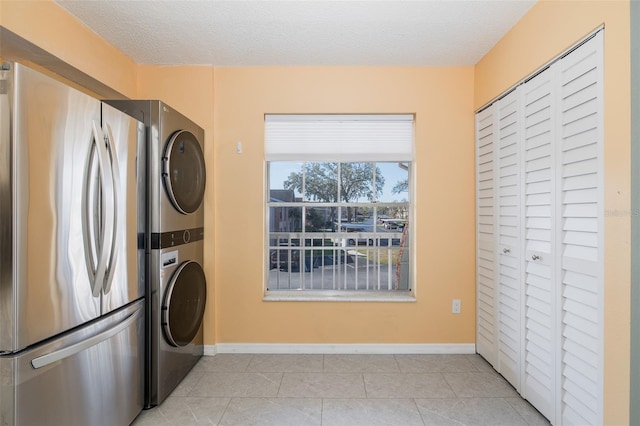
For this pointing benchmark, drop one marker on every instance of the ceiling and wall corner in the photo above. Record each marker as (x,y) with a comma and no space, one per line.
(61,36)
(18,48)
(635,208)
(301,33)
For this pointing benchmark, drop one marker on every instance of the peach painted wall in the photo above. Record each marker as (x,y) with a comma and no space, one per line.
(189,89)
(47,25)
(442,99)
(549,28)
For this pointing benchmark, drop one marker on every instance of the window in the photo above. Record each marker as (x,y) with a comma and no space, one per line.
(338,205)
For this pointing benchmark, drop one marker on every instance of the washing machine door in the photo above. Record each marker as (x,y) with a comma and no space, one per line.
(184,172)
(184,303)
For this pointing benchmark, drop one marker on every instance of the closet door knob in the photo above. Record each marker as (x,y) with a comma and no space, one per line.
(535,257)
(506,251)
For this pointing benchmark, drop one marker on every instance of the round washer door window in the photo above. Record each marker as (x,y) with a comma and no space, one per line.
(184,302)
(184,171)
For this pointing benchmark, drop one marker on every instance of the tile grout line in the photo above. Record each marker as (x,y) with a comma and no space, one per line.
(226,407)
(280,385)
(449,384)
(514,409)
(518,411)
(364,384)
(246,368)
(395,359)
(188,393)
(419,412)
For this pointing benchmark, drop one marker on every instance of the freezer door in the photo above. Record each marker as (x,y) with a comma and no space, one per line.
(125,143)
(92,376)
(48,290)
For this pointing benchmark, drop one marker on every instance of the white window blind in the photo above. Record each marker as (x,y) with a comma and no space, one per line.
(330,137)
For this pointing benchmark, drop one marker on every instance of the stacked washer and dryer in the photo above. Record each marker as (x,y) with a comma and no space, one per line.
(173,241)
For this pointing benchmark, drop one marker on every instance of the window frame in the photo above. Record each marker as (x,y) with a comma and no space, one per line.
(346,295)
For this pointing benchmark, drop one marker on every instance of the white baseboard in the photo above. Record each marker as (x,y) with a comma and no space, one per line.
(340,348)
(210,350)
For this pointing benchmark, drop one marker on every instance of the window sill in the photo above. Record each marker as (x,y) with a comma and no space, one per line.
(338,296)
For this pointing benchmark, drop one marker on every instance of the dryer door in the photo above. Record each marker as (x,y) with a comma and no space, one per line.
(184,302)
(184,172)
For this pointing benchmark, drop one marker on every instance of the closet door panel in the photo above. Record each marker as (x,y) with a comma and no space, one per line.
(508,217)
(580,118)
(540,222)
(486,341)
(539,193)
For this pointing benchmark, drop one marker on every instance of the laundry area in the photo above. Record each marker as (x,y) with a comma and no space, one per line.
(319,212)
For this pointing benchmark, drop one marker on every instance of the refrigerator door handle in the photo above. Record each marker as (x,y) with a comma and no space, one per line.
(115,194)
(60,354)
(92,218)
(108,216)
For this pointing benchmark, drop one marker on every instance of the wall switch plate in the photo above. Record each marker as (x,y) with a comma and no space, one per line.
(455,306)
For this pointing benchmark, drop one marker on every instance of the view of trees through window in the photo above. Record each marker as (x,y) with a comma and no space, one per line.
(338,225)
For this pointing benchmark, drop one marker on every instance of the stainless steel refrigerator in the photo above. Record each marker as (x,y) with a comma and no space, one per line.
(71,264)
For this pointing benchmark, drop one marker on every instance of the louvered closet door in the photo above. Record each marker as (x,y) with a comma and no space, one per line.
(486,342)
(581,235)
(538,380)
(509,257)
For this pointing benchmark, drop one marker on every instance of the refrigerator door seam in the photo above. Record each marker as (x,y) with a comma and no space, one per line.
(7,334)
(115,194)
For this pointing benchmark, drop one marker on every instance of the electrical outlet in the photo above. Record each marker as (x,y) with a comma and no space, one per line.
(455,306)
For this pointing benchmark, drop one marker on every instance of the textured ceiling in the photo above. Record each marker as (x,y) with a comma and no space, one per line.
(302,32)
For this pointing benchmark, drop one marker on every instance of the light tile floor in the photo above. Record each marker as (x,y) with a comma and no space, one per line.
(350,390)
